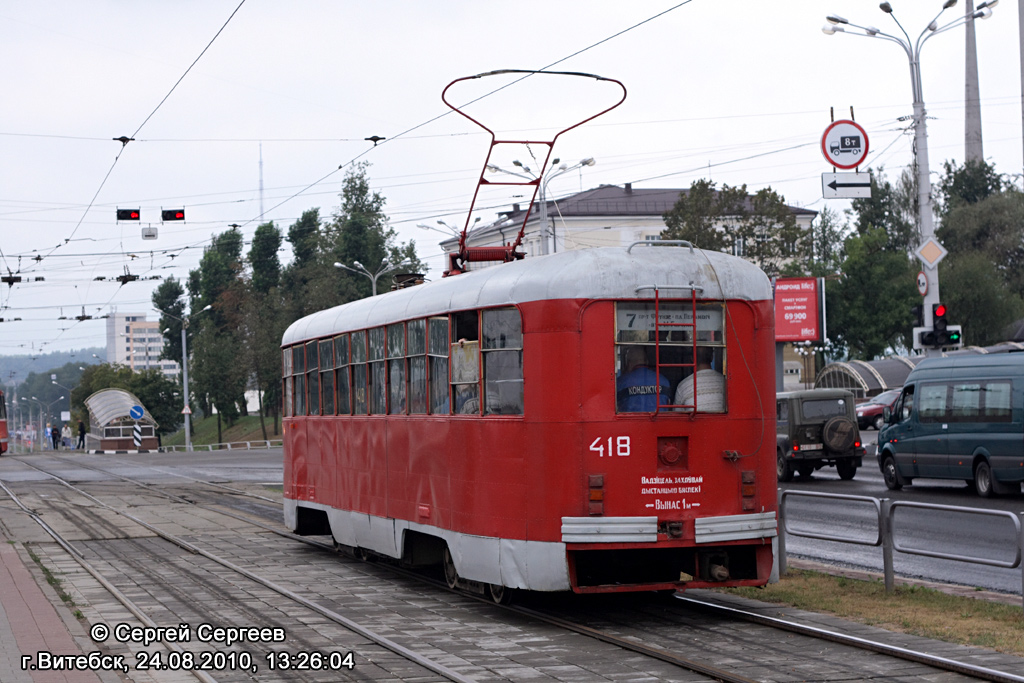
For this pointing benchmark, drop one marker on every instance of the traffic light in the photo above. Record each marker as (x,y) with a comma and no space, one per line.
(939,317)
(949,336)
(172,214)
(127,214)
(928,338)
(918,313)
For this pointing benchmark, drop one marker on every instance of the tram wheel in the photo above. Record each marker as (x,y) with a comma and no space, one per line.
(451,576)
(501,595)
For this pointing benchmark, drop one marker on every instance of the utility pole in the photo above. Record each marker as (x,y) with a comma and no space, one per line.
(972,94)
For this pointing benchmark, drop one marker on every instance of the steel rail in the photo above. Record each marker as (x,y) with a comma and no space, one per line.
(356,628)
(943,663)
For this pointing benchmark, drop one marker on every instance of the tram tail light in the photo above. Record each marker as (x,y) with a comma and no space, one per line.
(748,489)
(596,494)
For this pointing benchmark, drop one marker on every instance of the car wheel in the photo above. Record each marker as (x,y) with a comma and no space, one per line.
(889,474)
(879,423)
(847,469)
(783,469)
(983,479)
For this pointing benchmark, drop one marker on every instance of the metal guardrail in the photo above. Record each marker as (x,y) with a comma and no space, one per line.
(228,446)
(886,536)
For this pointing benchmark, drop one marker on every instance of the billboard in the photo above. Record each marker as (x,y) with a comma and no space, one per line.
(797,307)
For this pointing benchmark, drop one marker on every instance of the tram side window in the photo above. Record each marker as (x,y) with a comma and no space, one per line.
(503,361)
(299,365)
(286,372)
(342,375)
(396,368)
(655,360)
(465,359)
(312,379)
(327,376)
(378,384)
(417,341)
(360,399)
(437,348)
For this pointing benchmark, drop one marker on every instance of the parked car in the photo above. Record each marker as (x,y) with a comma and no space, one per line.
(815,428)
(869,414)
(960,417)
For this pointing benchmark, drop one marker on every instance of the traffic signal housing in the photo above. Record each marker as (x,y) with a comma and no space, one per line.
(939,317)
(172,214)
(128,214)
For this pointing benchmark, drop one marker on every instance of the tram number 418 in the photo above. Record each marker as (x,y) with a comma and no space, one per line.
(616,445)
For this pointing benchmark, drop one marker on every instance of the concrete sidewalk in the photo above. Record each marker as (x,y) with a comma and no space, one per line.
(30,623)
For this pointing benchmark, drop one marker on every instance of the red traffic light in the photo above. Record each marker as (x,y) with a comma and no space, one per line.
(940,309)
(172,214)
(128,214)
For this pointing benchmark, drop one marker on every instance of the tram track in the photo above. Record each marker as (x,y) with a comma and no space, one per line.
(655,644)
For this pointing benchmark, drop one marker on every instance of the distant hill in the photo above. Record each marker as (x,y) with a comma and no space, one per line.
(14,369)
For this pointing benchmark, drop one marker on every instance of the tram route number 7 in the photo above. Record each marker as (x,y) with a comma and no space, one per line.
(617,445)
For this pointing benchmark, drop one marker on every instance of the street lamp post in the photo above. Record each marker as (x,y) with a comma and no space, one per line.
(54,382)
(186,411)
(384,269)
(926,224)
(546,231)
(40,403)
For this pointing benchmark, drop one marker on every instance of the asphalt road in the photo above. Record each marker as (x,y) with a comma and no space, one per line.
(973,535)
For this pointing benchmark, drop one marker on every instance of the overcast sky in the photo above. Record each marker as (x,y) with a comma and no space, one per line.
(737,91)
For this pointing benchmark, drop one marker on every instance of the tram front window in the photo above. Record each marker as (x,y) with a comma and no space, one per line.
(661,366)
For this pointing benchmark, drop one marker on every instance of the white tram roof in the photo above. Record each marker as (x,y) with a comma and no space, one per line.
(600,273)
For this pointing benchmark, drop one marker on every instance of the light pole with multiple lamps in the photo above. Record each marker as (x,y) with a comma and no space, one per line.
(186,410)
(53,380)
(384,269)
(546,231)
(926,223)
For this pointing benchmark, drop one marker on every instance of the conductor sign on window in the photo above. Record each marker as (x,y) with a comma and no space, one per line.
(796,309)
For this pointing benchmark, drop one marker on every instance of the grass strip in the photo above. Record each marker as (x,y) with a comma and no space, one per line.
(915,610)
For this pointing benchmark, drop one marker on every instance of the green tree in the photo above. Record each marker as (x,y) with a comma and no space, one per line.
(169,299)
(705,216)
(869,306)
(263,258)
(263,321)
(770,234)
(891,208)
(968,184)
(824,254)
(978,298)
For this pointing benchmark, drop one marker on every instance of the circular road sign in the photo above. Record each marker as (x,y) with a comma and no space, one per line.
(844,144)
(136,412)
(922,283)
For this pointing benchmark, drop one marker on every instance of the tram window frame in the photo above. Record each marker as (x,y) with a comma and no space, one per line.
(343,375)
(416,349)
(360,383)
(377,387)
(465,362)
(326,353)
(502,351)
(396,364)
(312,378)
(286,381)
(438,365)
(634,327)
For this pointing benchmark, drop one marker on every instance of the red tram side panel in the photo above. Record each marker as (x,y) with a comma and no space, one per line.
(558,472)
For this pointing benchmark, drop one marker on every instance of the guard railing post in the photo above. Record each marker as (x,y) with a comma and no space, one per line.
(1021,533)
(782,536)
(886,527)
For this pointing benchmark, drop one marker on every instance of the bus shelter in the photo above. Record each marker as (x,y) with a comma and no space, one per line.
(113,422)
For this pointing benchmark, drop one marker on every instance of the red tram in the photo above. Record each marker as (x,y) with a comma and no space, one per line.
(4,434)
(596,420)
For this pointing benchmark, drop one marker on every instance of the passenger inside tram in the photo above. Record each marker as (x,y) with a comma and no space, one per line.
(639,388)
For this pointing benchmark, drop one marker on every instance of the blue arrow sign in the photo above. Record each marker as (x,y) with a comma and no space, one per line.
(136,412)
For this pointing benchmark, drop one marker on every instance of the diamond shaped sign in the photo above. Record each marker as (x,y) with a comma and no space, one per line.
(931,252)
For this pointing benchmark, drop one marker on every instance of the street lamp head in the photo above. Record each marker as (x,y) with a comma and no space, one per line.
(836,19)
(984,13)
(885,7)
(829,29)
(358,264)
(589,161)
(871,30)
(990,4)
(492,168)
(554,162)
(932,26)
(206,308)
(948,4)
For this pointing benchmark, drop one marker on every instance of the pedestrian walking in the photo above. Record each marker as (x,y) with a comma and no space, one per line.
(81,435)
(65,436)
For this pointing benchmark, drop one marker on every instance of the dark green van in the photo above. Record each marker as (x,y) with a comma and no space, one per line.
(960,417)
